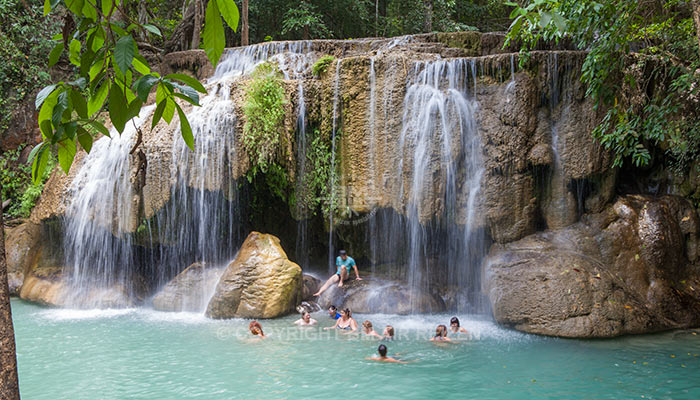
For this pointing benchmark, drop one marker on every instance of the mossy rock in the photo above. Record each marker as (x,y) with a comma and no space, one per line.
(470,41)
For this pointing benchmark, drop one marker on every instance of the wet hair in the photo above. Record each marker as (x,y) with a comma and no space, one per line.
(382,350)
(347,312)
(454,320)
(255,324)
(342,252)
(333,308)
(367,324)
(441,331)
(390,330)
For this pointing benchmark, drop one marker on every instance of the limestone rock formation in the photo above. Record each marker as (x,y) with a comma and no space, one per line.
(21,243)
(190,290)
(378,296)
(311,285)
(631,269)
(260,283)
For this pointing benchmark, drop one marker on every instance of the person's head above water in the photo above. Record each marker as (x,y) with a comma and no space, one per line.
(454,323)
(343,254)
(306,316)
(332,310)
(367,325)
(256,328)
(441,331)
(382,350)
(389,331)
(345,314)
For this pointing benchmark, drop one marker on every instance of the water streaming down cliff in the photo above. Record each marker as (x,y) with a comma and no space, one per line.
(438,137)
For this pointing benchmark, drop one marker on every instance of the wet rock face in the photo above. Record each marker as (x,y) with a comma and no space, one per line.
(377,296)
(629,269)
(190,290)
(260,283)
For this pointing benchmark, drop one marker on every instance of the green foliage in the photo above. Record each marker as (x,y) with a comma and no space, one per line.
(661,34)
(17,185)
(112,75)
(24,45)
(321,65)
(264,112)
(306,20)
(317,193)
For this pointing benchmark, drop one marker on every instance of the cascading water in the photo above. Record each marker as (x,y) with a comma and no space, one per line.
(336,90)
(437,239)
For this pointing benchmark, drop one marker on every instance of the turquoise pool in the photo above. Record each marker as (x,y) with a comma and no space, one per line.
(145,354)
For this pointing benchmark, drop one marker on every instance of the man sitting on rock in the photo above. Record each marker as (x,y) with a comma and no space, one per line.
(343,262)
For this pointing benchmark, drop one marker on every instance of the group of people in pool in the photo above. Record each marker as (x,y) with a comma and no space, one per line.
(345,322)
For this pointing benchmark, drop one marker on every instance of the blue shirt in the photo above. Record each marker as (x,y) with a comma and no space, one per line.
(337,315)
(348,263)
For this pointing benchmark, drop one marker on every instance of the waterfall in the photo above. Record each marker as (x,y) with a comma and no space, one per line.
(331,200)
(97,253)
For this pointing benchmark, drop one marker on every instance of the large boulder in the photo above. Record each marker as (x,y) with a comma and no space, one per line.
(21,243)
(260,283)
(380,296)
(632,268)
(190,290)
(310,286)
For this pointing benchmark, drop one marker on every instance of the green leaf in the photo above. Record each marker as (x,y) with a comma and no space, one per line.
(69,129)
(106,6)
(66,154)
(230,12)
(158,113)
(47,108)
(187,91)
(213,35)
(117,108)
(99,127)
(79,104)
(185,128)
(560,22)
(40,159)
(43,94)
(134,108)
(141,65)
(144,85)
(85,139)
(153,29)
(74,52)
(169,110)
(76,6)
(55,54)
(545,19)
(190,81)
(96,101)
(89,11)
(47,7)
(187,99)
(124,53)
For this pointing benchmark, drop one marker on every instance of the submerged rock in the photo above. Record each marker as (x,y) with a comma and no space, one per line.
(260,283)
(378,296)
(190,290)
(625,270)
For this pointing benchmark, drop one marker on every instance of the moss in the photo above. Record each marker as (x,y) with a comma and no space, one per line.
(321,65)
(470,41)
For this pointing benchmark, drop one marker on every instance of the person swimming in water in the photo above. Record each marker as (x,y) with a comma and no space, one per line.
(256,329)
(388,333)
(333,312)
(344,263)
(455,328)
(305,320)
(440,334)
(346,322)
(369,331)
(383,358)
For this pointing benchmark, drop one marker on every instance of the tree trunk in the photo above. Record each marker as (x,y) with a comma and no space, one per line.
(376,18)
(428,21)
(197,24)
(696,17)
(244,24)
(9,384)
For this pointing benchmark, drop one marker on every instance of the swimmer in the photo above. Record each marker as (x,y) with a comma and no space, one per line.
(346,322)
(367,330)
(440,334)
(333,312)
(383,358)
(256,329)
(454,326)
(388,333)
(305,320)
